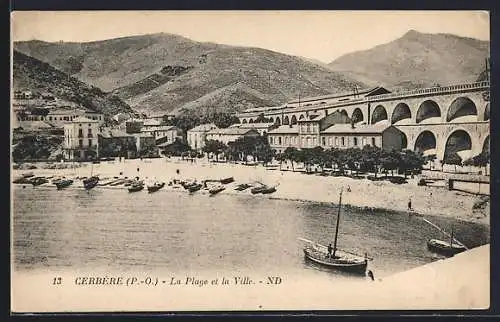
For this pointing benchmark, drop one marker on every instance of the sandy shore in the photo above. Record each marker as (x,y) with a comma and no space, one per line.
(380,195)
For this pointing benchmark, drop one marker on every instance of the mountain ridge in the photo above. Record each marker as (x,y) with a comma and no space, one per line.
(417,60)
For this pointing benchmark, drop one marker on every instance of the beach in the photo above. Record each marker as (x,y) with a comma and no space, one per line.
(379,196)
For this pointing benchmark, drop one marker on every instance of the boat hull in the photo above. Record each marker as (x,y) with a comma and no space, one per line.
(135,188)
(444,248)
(155,188)
(90,183)
(343,264)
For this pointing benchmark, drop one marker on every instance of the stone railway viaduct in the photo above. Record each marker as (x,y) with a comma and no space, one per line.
(434,120)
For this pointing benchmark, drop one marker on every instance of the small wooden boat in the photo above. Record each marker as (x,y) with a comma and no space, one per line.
(332,256)
(22,180)
(268,190)
(445,248)
(258,189)
(90,182)
(61,184)
(195,187)
(137,186)
(37,181)
(216,189)
(242,187)
(156,186)
(227,180)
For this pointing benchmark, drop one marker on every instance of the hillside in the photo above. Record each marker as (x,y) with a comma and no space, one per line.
(30,73)
(417,60)
(163,72)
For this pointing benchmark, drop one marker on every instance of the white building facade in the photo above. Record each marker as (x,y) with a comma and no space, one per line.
(81,139)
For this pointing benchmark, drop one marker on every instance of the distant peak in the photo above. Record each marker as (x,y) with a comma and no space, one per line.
(412,33)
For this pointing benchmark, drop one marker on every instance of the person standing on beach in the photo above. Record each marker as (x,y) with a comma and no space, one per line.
(409,204)
(330,250)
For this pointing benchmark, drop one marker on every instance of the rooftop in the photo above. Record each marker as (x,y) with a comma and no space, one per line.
(357,129)
(83,119)
(159,128)
(203,127)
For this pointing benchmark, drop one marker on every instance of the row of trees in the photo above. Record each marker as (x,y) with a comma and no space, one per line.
(189,121)
(367,159)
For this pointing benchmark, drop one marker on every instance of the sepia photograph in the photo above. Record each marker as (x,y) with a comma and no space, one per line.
(177,161)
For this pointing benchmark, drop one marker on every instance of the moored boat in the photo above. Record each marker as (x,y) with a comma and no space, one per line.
(227,180)
(63,183)
(332,256)
(156,186)
(242,187)
(445,248)
(90,182)
(37,181)
(216,189)
(268,190)
(195,187)
(136,186)
(259,189)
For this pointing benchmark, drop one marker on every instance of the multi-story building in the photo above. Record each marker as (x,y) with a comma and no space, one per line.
(310,134)
(58,116)
(81,139)
(164,133)
(230,134)
(196,137)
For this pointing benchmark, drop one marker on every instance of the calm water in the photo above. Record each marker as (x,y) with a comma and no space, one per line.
(175,231)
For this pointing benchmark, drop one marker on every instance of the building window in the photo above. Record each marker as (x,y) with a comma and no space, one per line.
(90,133)
(90,142)
(279,140)
(336,141)
(343,141)
(271,140)
(373,142)
(80,143)
(80,133)
(323,140)
(364,141)
(355,141)
(308,127)
(286,140)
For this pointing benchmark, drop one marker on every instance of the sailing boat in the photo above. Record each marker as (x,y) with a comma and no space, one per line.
(92,181)
(444,247)
(335,258)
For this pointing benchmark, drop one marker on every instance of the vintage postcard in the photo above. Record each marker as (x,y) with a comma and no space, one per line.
(250,160)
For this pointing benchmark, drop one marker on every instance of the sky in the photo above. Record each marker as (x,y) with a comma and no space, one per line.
(320,35)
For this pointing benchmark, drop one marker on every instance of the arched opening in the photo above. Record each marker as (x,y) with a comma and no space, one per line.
(251,121)
(461,106)
(404,141)
(302,116)
(379,114)
(486,145)
(293,121)
(286,120)
(458,144)
(357,115)
(244,121)
(344,113)
(271,120)
(278,121)
(427,110)
(425,142)
(487,112)
(401,112)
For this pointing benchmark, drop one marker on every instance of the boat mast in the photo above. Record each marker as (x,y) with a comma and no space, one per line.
(337,226)
(451,241)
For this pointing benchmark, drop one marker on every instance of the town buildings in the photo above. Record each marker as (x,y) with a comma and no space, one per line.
(81,139)
(230,134)
(197,136)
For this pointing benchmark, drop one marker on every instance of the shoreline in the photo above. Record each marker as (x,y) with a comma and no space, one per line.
(379,196)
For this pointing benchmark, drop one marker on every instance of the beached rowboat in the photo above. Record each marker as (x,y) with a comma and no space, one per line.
(156,186)
(445,248)
(136,186)
(63,183)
